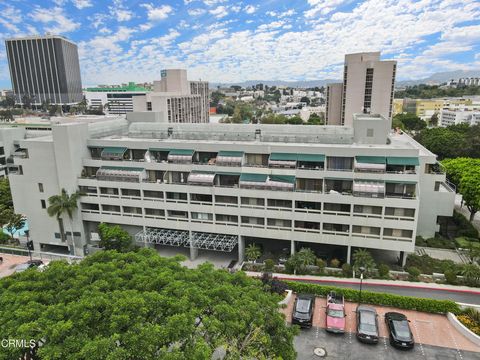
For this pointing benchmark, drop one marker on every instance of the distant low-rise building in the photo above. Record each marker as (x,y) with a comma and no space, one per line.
(455,117)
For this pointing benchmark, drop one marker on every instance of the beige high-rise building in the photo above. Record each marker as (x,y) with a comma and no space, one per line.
(173,99)
(334,104)
(368,85)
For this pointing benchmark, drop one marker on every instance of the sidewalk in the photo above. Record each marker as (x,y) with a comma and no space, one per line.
(399,283)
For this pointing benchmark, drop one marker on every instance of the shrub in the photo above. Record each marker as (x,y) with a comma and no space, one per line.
(278,286)
(368,297)
(465,228)
(413,273)
(335,263)
(347,270)
(4,238)
(269,265)
(321,265)
(470,323)
(383,270)
(428,265)
(450,277)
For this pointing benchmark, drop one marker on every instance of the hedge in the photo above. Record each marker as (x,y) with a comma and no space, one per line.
(368,297)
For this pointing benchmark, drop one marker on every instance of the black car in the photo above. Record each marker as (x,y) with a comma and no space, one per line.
(399,331)
(367,324)
(34,263)
(303,310)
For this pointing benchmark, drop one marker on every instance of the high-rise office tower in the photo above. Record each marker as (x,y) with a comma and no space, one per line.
(367,87)
(45,68)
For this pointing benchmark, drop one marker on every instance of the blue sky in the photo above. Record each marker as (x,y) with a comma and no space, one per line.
(229,41)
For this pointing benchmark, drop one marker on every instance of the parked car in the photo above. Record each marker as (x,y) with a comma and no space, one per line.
(303,310)
(367,324)
(399,331)
(335,319)
(29,264)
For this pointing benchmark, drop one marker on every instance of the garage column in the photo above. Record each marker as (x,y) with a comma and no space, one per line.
(349,253)
(403,259)
(193,250)
(292,248)
(241,248)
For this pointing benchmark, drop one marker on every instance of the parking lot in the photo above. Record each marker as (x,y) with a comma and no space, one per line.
(435,338)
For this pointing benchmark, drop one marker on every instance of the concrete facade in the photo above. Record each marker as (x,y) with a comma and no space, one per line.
(329,185)
(455,117)
(333,113)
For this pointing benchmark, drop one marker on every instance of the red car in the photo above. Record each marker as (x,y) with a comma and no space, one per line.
(335,319)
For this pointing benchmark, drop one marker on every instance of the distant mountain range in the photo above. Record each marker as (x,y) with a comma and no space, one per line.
(435,78)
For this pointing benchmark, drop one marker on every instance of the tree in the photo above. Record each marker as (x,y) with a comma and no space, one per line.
(138,305)
(465,174)
(27,101)
(253,252)
(471,273)
(53,110)
(411,121)
(45,105)
(300,261)
(434,120)
(316,119)
(363,258)
(9,102)
(6,115)
(114,238)
(13,221)
(305,100)
(294,120)
(215,98)
(64,204)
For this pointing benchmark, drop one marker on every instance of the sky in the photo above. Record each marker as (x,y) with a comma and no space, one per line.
(232,41)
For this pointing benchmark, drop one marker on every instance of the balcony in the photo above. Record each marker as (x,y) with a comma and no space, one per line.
(21,153)
(371,189)
(402,165)
(400,189)
(370,164)
(338,186)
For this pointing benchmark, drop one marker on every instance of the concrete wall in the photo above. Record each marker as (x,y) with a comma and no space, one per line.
(334,104)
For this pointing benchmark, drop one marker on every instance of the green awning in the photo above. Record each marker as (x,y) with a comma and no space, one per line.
(406,182)
(253,177)
(185,152)
(337,178)
(158,150)
(403,161)
(231,153)
(283,178)
(122,168)
(228,173)
(283,157)
(370,159)
(311,157)
(114,150)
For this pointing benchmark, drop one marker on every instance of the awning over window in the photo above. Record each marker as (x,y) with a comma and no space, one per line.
(412,161)
(201,178)
(117,173)
(159,150)
(229,157)
(406,182)
(311,157)
(180,155)
(253,177)
(281,182)
(370,159)
(113,152)
(283,156)
(372,187)
(282,178)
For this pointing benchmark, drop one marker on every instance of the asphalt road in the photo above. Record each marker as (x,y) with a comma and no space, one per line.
(343,347)
(462,297)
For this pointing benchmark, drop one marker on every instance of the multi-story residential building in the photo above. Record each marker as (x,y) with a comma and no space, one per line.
(9,148)
(333,110)
(118,98)
(454,117)
(45,68)
(222,186)
(368,85)
(174,99)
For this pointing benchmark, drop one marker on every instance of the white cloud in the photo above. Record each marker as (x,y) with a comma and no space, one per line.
(81,4)
(270,26)
(213,2)
(120,12)
(250,9)
(281,14)
(57,21)
(8,25)
(219,12)
(323,7)
(167,39)
(196,12)
(157,13)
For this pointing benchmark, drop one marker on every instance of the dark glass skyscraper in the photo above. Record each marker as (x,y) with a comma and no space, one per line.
(45,68)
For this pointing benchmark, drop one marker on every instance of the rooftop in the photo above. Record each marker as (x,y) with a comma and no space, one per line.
(130,87)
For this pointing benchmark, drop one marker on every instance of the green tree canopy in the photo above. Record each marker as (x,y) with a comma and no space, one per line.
(299,261)
(363,258)
(423,91)
(253,252)
(140,306)
(465,174)
(113,237)
(409,121)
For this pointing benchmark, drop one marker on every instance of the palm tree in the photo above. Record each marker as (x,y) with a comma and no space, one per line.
(253,252)
(61,204)
(363,258)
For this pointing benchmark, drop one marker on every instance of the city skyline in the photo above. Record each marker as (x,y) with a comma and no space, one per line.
(224,41)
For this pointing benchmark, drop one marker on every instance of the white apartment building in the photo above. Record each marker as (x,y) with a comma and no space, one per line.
(118,98)
(9,147)
(454,117)
(174,99)
(368,85)
(222,186)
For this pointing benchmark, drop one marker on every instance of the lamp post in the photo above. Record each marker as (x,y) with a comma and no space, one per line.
(362,270)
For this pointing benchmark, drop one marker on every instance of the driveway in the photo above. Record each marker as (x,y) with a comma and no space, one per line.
(432,332)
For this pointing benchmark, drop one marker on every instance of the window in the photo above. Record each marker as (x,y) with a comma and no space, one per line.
(44,205)
(149,106)
(340,163)
(369,132)
(40,187)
